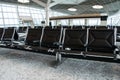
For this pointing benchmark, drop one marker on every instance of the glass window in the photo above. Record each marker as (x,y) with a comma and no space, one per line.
(11,21)
(13,9)
(93,21)
(8,9)
(113,21)
(0,15)
(23,9)
(24,14)
(9,15)
(1,21)
(8,5)
(1,26)
(53,22)
(78,21)
(64,22)
(6,21)
(15,15)
(0,9)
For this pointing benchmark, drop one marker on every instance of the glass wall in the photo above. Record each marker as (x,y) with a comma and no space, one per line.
(10,17)
(114,20)
(78,21)
(64,22)
(37,15)
(9,14)
(93,21)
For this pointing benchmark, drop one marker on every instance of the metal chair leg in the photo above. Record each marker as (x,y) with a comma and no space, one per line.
(115,55)
(58,57)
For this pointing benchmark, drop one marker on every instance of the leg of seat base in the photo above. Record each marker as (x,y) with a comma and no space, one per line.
(115,54)
(58,57)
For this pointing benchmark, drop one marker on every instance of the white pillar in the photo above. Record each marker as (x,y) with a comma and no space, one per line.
(47,15)
(47,8)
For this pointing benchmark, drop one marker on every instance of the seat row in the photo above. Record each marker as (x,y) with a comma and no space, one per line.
(90,42)
(85,42)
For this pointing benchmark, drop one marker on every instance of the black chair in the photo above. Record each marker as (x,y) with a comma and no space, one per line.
(74,42)
(50,41)
(75,39)
(101,43)
(33,37)
(9,36)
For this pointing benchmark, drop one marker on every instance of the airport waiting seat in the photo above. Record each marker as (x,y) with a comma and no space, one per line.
(74,41)
(9,36)
(50,40)
(101,43)
(33,37)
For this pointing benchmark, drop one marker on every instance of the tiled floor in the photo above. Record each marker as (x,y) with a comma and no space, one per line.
(21,65)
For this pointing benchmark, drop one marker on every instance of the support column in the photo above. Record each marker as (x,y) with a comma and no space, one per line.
(47,15)
(47,8)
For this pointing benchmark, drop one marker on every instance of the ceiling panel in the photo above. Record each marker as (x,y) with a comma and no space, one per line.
(94,2)
(82,6)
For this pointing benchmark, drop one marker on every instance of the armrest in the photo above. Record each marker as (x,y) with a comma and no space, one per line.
(68,49)
(36,41)
(57,43)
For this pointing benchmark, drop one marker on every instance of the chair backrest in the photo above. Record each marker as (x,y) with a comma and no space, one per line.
(1,33)
(102,27)
(75,39)
(8,34)
(101,40)
(33,35)
(77,27)
(50,37)
(22,29)
(118,29)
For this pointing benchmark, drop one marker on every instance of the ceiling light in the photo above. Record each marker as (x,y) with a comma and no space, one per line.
(97,6)
(72,9)
(24,1)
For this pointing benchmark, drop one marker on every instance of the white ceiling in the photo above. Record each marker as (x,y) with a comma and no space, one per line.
(82,6)
(69,1)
